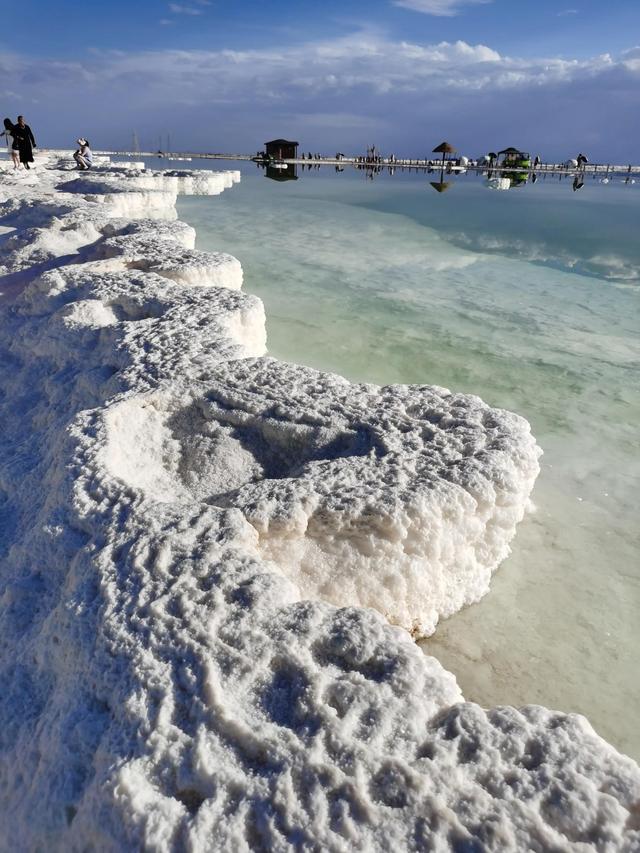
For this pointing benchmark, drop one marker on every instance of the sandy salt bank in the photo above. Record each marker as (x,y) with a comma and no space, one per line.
(213,565)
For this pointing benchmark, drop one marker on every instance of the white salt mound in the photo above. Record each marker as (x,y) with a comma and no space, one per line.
(211,563)
(401,498)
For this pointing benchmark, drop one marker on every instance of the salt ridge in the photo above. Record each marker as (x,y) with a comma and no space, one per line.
(212,562)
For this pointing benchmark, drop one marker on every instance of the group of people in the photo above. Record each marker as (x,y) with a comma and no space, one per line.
(20,137)
(22,142)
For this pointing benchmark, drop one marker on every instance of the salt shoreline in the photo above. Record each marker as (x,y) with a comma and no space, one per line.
(175,508)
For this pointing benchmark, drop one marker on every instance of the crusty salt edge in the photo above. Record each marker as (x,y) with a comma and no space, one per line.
(186,515)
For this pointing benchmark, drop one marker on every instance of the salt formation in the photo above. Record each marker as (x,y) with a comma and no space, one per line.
(200,549)
(399,498)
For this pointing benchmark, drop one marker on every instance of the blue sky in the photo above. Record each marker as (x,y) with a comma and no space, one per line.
(553,77)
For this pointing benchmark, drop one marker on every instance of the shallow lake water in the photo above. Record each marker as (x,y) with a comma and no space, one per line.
(528,298)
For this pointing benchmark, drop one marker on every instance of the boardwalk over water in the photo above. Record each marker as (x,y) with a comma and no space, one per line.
(180,158)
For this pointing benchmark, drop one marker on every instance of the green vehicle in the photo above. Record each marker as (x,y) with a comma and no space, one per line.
(513,158)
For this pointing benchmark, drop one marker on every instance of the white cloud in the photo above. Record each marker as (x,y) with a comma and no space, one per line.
(440,8)
(356,62)
(179,9)
(631,59)
(566,12)
(360,61)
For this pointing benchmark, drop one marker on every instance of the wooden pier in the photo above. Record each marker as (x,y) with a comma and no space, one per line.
(601,170)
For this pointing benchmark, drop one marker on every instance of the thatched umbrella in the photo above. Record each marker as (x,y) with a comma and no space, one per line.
(444,148)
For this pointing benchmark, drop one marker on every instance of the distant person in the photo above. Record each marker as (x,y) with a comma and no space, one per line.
(23,136)
(537,161)
(8,133)
(84,155)
(582,160)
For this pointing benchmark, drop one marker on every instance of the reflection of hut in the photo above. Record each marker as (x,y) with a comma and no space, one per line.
(276,174)
(281,149)
(444,148)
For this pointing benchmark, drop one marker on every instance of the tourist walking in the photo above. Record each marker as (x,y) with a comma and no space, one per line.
(8,133)
(23,136)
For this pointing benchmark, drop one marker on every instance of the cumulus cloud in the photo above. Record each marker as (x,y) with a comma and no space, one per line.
(631,59)
(404,89)
(354,62)
(441,8)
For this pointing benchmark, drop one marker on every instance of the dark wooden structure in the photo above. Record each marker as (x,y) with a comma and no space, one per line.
(281,149)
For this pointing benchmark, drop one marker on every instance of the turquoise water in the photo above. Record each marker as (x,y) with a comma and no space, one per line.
(529,298)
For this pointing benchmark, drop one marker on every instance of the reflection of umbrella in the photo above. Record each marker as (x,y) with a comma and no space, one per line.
(441,186)
(444,148)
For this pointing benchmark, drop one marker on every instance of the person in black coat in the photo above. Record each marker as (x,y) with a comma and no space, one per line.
(26,143)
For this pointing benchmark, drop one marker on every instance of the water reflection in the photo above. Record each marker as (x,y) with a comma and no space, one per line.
(509,169)
(441,186)
(508,180)
(281,171)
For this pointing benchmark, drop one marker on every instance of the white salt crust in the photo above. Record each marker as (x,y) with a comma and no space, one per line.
(211,563)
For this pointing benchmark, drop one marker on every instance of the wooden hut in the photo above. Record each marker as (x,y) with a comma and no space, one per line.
(281,149)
